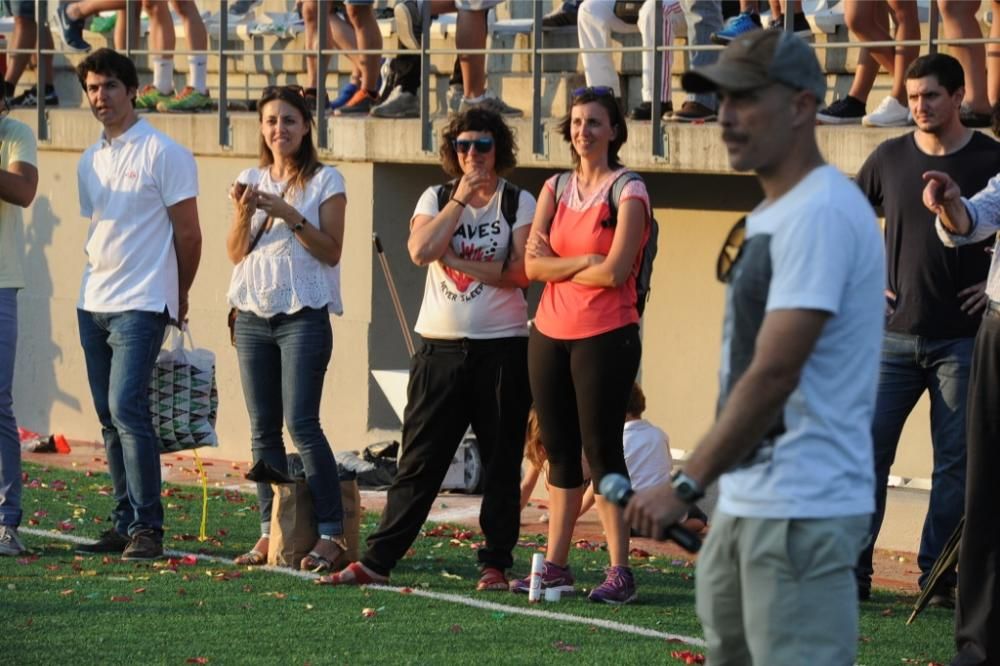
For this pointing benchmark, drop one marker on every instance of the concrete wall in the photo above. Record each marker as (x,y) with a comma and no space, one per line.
(385,174)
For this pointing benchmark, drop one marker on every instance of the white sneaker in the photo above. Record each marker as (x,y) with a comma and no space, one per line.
(889,113)
(10,544)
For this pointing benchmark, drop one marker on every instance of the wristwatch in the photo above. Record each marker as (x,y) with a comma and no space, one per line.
(297,227)
(687,489)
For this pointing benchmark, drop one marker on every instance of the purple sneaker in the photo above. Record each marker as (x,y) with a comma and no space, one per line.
(554,577)
(618,587)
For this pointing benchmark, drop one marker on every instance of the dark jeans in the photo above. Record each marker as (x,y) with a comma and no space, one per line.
(120,349)
(283,362)
(581,389)
(910,365)
(977,614)
(454,384)
(10,445)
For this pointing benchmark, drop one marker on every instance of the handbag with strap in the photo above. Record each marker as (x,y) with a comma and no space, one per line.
(231,318)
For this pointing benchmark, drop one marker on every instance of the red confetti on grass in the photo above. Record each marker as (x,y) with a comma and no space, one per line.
(122,599)
(139,590)
(32,522)
(368,612)
(196,660)
(66,593)
(41,513)
(563,646)
(639,553)
(189,560)
(406,590)
(688,657)
(27,560)
(66,526)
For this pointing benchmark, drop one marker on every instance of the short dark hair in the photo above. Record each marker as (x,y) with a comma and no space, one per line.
(636,401)
(946,69)
(614,109)
(479,120)
(108,62)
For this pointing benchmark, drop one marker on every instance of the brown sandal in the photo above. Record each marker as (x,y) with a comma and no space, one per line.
(492,580)
(251,558)
(320,564)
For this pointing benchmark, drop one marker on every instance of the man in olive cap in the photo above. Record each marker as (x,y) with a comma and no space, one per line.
(791,445)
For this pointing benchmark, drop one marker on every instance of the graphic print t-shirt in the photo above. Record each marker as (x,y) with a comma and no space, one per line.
(457,305)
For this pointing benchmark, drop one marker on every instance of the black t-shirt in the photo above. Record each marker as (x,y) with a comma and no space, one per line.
(925,275)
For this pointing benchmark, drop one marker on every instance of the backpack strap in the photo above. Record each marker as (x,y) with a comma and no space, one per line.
(509,201)
(615,192)
(444,193)
(562,180)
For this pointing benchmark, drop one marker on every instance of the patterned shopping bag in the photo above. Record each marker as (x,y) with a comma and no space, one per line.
(183,396)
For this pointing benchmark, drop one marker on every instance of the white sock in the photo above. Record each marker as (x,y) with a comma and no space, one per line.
(163,74)
(475,100)
(198,73)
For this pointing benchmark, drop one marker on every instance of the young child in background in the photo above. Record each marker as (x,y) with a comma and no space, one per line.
(647,457)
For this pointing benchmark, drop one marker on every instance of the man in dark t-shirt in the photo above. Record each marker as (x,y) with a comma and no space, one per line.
(935,299)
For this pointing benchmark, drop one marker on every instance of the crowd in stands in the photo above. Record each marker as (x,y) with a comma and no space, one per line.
(388,87)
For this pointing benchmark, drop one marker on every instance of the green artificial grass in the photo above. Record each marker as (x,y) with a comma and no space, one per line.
(58,608)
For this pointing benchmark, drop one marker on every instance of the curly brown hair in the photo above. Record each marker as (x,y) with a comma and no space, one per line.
(636,401)
(479,120)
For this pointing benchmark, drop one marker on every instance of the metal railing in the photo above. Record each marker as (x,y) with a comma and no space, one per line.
(536,51)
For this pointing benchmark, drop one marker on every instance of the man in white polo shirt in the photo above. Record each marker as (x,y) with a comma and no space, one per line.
(18,183)
(139,190)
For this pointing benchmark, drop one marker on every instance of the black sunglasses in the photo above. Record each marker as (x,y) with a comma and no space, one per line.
(731,250)
(275,90)
(482,146)
(597,91)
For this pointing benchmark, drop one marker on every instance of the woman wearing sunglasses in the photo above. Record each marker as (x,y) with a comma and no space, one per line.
(584,349)
(286,240)
(472,366)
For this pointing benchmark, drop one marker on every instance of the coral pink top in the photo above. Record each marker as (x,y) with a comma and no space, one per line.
(571,311)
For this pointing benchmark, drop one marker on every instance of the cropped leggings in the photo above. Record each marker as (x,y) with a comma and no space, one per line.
(581,388)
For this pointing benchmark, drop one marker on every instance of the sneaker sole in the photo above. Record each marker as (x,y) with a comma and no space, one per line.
(405,28)
(870,123)
(835,120)
(703,119)
(79,551)
(136,558)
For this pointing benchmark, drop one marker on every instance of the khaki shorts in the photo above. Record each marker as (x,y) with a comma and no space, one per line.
(780,592)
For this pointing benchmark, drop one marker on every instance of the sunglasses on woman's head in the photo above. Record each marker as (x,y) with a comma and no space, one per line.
(731,250)
(482,146)
(597,91)
(274,90)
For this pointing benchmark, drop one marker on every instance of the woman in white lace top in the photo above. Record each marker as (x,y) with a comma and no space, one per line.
(286,240)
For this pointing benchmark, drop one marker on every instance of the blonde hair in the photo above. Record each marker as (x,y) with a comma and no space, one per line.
(534,451)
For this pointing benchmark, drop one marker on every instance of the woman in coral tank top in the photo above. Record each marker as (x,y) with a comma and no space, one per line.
(584,349)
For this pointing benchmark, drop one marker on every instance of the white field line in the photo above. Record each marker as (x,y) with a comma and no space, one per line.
(438,596)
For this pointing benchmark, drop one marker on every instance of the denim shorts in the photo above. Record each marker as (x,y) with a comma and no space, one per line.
(25,8)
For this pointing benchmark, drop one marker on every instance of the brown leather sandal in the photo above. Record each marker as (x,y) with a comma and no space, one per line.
(251,558)
(317,563)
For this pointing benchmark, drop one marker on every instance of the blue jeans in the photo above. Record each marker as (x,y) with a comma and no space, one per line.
(10,445)
(283,363)
(120,349)
(707,19)
(910,365)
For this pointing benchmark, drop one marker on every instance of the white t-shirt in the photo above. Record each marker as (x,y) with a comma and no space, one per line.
(280,275)
(647,454)
(457,305)
(126,186)
(818,247)
(17,144)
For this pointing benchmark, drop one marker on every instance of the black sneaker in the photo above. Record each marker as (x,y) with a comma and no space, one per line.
(845,111)
(800,25)
(30,97)
(972,118)
(145,545)
(943,598)
(110,541)
(560,18)
(645,111)
(694,112)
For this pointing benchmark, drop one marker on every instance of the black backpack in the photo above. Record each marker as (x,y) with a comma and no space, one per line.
(643,278)
(509,199)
